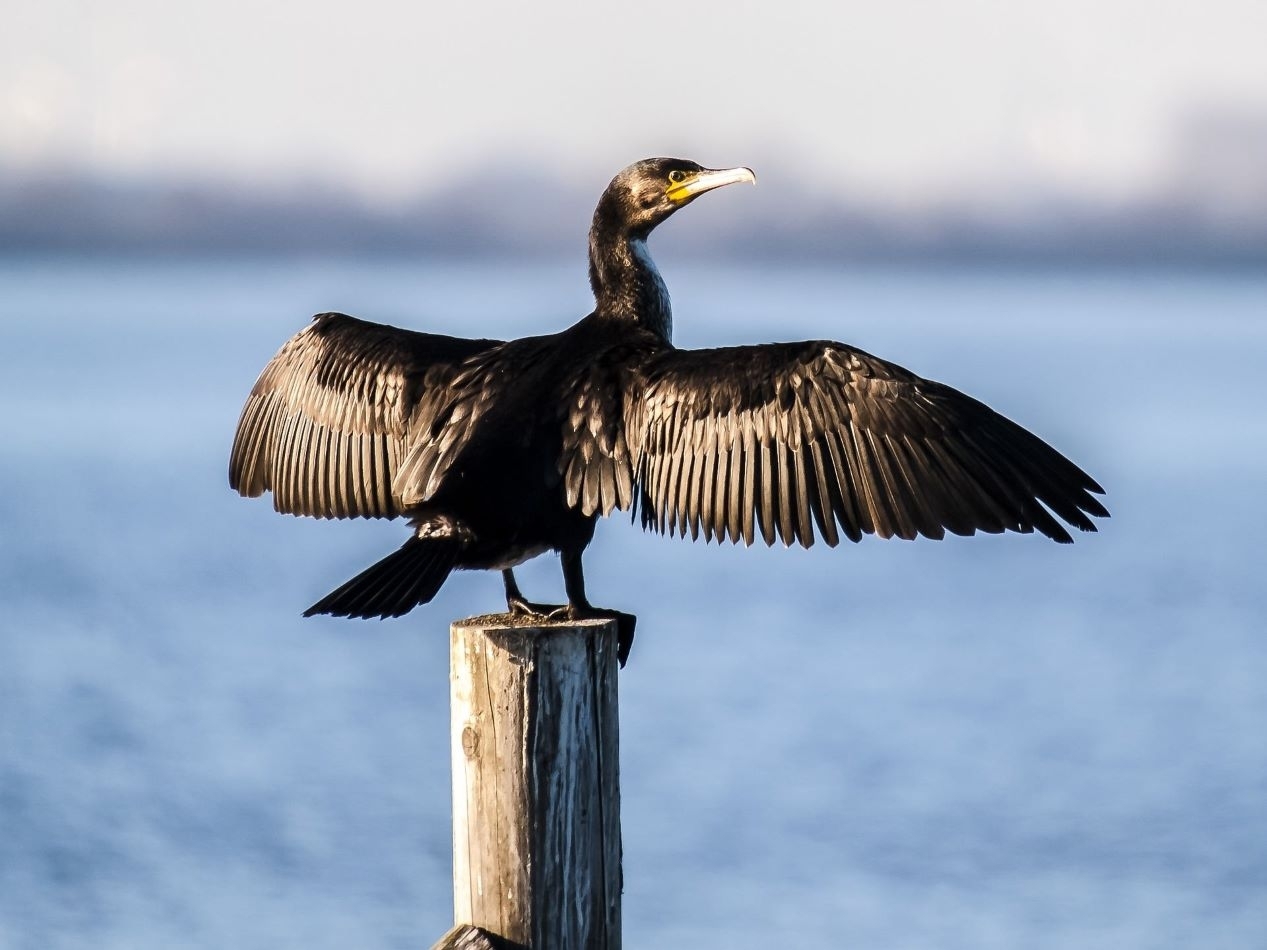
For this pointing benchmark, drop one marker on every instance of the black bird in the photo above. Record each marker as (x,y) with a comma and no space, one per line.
(499,451)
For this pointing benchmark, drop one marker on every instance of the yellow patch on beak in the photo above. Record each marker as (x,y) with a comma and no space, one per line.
(695,184)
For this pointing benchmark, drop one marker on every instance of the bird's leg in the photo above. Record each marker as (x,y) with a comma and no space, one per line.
(517,605)
(579,607)
(574,583)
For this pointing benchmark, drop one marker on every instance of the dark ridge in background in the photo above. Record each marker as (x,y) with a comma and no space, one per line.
(1208,209)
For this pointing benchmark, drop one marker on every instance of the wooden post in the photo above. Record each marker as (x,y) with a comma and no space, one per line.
(536,789)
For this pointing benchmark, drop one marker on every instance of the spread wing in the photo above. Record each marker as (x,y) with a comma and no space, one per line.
(787,439)
(328,422)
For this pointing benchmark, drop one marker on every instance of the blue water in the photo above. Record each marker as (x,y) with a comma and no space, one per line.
(981,743)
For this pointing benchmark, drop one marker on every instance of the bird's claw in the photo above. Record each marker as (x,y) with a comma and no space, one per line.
(518,607)
(625,623)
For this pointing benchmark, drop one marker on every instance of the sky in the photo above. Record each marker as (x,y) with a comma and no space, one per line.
(902,97)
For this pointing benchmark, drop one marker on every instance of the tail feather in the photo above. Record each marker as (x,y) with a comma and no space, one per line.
(396,584)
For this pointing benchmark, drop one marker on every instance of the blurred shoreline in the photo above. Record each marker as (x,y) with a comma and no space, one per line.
(1204,207)
(79,214)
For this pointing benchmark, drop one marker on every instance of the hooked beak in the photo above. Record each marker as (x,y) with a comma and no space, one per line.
(706,180)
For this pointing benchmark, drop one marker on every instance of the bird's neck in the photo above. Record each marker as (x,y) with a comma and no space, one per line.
(626,283)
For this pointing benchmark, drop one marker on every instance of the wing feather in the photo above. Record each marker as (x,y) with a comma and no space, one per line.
(805,495)
(330,418)
(672,487)
(872,518)
(747,506)
(846,499)
(824,506)
(781,439)
(765,489)
(925,494)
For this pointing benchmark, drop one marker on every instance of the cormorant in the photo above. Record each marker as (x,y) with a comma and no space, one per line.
(499,451)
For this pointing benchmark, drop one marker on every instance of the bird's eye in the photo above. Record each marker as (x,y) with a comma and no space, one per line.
(677,176)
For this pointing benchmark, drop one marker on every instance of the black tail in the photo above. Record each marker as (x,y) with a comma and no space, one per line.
(396,584)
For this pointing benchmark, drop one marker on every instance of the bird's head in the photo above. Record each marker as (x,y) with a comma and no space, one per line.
(647,192)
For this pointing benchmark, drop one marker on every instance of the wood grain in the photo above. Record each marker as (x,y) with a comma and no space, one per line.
(536,795)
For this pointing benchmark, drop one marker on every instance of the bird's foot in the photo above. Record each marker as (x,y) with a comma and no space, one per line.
(518,607)
(625,624)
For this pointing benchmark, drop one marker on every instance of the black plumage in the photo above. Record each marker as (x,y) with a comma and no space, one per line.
(499,451)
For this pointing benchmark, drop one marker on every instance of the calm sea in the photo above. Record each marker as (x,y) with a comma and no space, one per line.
(981,743)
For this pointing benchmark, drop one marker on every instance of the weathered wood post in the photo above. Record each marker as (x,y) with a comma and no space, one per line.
(536,784)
